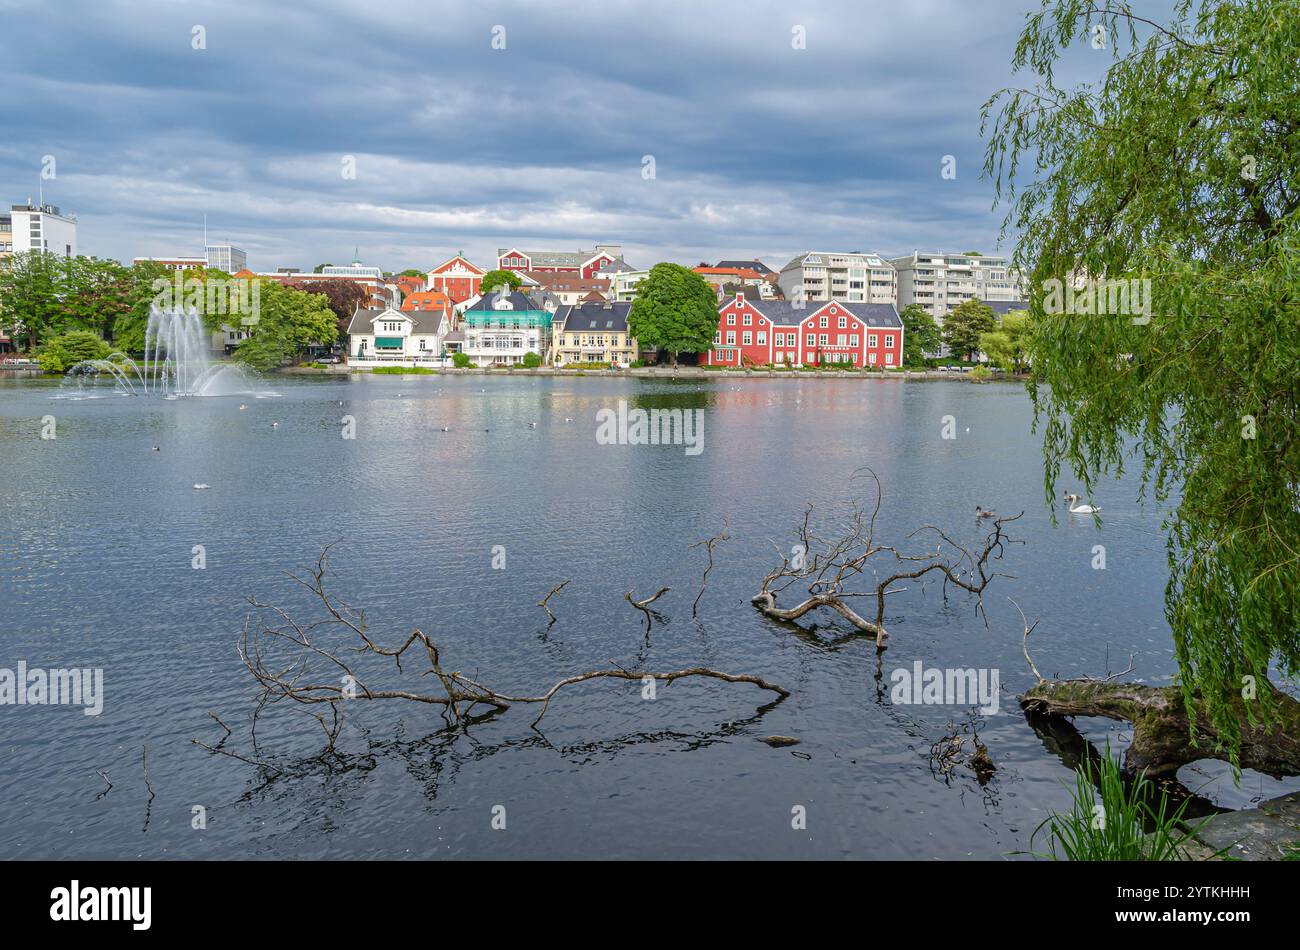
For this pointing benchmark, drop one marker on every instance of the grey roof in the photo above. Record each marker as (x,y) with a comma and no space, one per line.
(750,265)
(1006,306)
(519,300)
(785,313)
(554,258)
(593,316)
(619,266)
(426,321)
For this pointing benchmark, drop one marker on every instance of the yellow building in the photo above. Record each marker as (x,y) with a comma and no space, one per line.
(593,333)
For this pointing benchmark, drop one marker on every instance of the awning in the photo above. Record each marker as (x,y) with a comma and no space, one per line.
(389,342)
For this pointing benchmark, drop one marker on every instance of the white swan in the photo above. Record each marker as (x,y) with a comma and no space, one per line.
(1076,509)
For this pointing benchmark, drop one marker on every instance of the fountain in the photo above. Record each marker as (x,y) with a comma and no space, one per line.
(177,362)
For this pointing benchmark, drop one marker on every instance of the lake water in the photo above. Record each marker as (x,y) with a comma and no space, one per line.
(95,571)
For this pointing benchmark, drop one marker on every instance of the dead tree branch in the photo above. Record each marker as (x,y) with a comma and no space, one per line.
(311,664)
(829,569)
(644,605)
(544,602)
(708,544)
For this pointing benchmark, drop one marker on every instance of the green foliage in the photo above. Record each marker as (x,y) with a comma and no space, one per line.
(920,336)
(402,371)
(979,373)
(287,322)
(969,321)
(493,280)
(1008,345)
(67,349)
(675,310)
(1116,829)
(460,360)
(31,289)
(412,272)
(532,361)
(1180,166)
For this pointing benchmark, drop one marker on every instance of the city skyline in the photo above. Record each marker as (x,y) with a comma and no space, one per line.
(458,145)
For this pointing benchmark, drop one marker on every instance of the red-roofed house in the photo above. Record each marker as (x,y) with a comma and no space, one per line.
(428,300)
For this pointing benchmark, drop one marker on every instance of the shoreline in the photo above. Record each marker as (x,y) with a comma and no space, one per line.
(662,372)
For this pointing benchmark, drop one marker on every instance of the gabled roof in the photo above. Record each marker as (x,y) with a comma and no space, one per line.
(520,302)
(427,300)
(609,318)
(469,265)
(426,322)
(746,265)
(785,313)
(1006,306)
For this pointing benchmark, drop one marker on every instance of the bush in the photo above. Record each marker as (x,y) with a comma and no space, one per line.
(402,370)
(60,353)
(460,360)
(532,361)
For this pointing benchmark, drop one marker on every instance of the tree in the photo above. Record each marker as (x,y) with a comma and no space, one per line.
(412,272)
(288,321)
(341,296)
(32,285)
(96,293)
(1179,169)
(460,360)
(675,310)
(962,328)
(1008,345)
(921,336)
(320,267)
(62,352)
(495,279)
(532,360)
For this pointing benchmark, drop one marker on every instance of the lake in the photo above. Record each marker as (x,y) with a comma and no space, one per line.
(96,554)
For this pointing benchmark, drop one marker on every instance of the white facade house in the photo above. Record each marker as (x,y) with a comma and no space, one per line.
(43,228)
(940,282)
(501,329)
(392,337)
(850,277)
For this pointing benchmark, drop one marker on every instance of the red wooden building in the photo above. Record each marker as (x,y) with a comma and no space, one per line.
(457,278)
(757,332)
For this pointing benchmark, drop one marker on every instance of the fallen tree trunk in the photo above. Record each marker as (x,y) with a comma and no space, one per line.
(1161,730)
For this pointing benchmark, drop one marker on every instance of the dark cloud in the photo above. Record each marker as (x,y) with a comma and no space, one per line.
(759,148)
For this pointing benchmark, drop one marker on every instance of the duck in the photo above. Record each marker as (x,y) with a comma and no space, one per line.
(984,513)
(1076,509)
(532,425)
(275,425)
(242,406)
(567,419)
(156,449)
(201,486)
(446,429)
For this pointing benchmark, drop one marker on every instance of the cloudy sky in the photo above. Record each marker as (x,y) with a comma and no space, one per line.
(759,149)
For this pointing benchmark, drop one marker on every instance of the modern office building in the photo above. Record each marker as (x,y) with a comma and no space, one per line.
(226,257)
(851,277)
(43,228)
(939,281)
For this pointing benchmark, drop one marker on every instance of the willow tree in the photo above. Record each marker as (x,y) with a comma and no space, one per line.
(1179,165)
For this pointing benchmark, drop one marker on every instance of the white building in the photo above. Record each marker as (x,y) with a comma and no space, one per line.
(852,277)
(939,282)
(43,228)
(392,337)
(501,329)
(226,257)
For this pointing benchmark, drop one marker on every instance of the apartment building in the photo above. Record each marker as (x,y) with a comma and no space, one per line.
(226,257)
(6,235)
(939,281)
(852,277)
(594,333)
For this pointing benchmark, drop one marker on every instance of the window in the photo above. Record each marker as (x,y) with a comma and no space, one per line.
(747,338)
(872,339)
(731,337)
(823,339)
(839,339)
(824,322)
(731,319)
(853,339)
(762,338)
(717,337)
(889,359)
(889,339)
(812,340)
(844,322)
